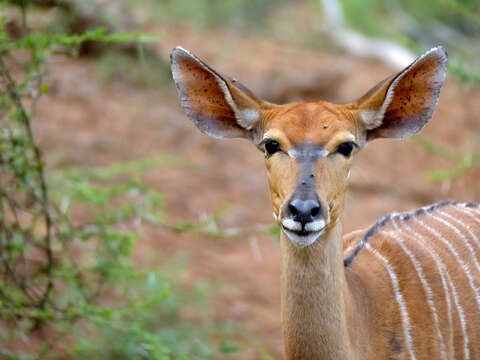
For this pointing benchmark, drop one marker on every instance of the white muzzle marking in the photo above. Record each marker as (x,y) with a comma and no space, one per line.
(291,224)
(317,225)
(311,231)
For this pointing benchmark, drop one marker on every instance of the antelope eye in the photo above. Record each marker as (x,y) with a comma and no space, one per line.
(272,146)
(346,148)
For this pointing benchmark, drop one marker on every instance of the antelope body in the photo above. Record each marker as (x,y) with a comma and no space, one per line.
(406,288)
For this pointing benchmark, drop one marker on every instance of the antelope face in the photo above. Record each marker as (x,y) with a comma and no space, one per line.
(308,152)
(308,145)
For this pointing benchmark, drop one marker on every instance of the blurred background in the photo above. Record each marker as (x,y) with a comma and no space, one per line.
(124,232)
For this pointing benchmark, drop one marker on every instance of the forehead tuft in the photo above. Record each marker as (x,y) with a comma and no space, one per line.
(310,121)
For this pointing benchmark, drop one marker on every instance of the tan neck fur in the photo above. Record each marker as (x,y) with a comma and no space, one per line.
(314,298)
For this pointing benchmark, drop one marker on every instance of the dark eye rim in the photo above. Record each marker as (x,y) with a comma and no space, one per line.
(347,152)
(264,143)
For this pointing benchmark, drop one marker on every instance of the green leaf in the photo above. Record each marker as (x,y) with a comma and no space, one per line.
(183,227)
(440,175)
(274,230)
(229,347)
(38,41)
(44,88)
(431,146)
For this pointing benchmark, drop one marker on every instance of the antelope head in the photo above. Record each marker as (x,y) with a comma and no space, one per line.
(309,146)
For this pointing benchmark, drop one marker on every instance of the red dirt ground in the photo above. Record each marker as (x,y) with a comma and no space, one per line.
(85,122)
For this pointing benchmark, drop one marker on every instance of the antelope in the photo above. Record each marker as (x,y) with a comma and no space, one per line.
(406,288)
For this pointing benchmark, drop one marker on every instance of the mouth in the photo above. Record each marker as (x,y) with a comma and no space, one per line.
(302,236)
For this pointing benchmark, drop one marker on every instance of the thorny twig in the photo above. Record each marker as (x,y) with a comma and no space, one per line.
(11,89)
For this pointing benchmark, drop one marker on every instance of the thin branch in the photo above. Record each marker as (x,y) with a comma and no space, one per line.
(12,90)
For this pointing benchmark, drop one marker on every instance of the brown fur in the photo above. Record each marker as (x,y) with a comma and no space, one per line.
(330,311)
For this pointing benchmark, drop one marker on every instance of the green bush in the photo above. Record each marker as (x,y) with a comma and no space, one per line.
(73,277)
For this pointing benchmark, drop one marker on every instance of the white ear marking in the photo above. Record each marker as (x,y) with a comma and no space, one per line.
(246,118)
(371,119)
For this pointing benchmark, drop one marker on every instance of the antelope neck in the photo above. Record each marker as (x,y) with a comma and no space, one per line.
(314,294)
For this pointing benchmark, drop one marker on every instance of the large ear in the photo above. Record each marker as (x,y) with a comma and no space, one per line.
(218,105)
(402,105)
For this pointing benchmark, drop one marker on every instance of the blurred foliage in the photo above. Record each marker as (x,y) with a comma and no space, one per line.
(144,70)
(465,161)
(418,25)
(421,25)
(66,241)
(209,225)
(88,28)
(266,356)
(371,17)
(244,14)
(431,146)
(132,168)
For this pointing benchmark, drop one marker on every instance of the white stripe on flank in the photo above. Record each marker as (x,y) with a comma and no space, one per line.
(461,223)
(446,282)
(465,241)
(472,208)
(426,286)
(463,321)
(364,239)
(466,270)
(350,248)
(398,297)
(468,211)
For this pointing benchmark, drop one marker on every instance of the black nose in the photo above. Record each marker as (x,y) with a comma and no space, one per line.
(304,211)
